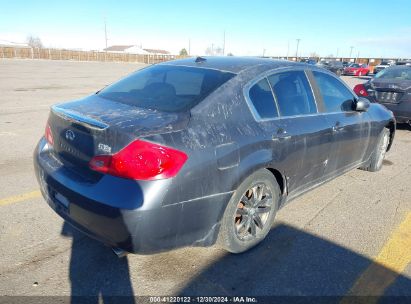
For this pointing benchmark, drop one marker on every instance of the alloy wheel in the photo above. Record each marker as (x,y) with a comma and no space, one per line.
(253,211)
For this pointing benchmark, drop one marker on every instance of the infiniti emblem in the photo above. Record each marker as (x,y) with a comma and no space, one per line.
(70,135)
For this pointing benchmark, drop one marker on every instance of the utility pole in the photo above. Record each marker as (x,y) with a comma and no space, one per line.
(351,47)
(296,52)
(105,31)
(224,43)
(288,48)
(263,52)
(337,52)
(189,46)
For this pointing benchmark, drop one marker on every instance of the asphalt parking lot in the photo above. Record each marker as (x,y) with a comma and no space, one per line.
(351,236)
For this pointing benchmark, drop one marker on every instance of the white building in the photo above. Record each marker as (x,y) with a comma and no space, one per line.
(128,49)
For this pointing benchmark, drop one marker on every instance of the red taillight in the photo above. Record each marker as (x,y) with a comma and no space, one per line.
(141,160)
(48,135)
(360,90)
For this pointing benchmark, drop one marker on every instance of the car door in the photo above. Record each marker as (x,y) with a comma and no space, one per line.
(286,156)
(350,129)
(302,125)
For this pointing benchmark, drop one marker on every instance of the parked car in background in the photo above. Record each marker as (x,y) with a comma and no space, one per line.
(334,66)
(382,66)
(356,69)
(346,63)
(403,62)
(309,61)
(199,150)
(392,88)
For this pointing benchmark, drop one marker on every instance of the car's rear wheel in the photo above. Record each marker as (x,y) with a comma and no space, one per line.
(378,154)
(250,212)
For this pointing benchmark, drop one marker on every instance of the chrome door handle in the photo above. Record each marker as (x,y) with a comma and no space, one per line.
(281,135)
(337,127)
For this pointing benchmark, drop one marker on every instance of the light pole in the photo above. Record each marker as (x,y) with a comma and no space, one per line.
(189,46)
(224,43)
(105,31)
(288,48)
(351,47)
(296,52)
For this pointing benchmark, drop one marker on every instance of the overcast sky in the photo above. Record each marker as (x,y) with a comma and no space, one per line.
(375,28)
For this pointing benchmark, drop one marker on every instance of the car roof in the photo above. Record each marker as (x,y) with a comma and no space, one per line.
(399,67)
(232,64)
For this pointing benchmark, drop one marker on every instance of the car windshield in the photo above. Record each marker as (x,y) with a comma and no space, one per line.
(354,65)
(396,73)
(166,88)
(384,63)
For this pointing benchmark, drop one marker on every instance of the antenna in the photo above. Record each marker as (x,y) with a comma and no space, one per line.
(200,59)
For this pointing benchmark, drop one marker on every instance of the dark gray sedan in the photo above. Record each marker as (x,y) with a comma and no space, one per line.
(203,150)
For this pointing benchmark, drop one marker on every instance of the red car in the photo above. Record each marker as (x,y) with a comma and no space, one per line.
(356,69)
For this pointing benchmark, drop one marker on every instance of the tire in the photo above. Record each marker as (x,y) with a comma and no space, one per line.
(338,73)
(378,154)
(250,212)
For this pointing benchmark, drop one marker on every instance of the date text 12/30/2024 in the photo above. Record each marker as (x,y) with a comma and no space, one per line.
(203,300)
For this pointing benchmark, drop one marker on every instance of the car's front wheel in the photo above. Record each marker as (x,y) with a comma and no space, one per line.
(378,154)
(250,212)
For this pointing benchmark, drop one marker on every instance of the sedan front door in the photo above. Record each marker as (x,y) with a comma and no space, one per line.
(350,129)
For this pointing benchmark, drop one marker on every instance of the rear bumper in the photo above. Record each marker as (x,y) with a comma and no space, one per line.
(402,111)
(127,214)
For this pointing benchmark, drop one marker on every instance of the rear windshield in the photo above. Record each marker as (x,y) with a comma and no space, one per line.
(166,87)
(395,73)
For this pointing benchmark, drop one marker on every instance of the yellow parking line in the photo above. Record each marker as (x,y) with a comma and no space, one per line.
(389,263)
(20,198)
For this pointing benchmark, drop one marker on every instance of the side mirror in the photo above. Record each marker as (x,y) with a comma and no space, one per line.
(362,105)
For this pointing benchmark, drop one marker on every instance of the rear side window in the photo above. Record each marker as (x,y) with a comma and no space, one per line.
(263,100)
(293,93)
(336,96)
(166,88)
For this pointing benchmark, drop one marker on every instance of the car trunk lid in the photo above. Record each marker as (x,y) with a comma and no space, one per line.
(95,126)
(390,90)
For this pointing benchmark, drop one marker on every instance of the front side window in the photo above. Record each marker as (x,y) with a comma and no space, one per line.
(166,88)
(336,96)
(293,93)
(263,100)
